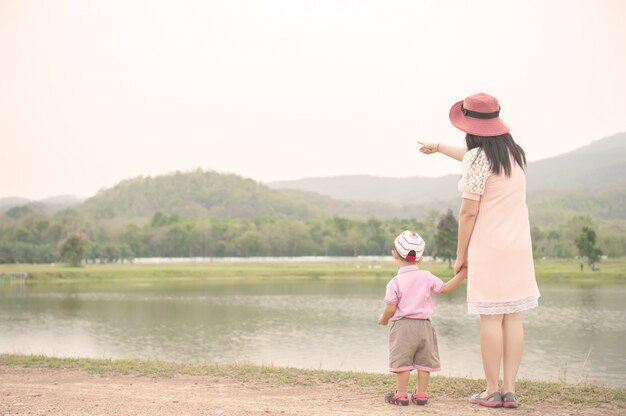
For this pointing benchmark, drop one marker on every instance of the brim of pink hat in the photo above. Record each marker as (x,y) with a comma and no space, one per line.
(477,126)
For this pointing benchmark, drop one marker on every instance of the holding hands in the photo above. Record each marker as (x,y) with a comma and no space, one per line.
(461,263)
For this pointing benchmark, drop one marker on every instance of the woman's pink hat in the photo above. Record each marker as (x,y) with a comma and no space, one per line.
(478,114)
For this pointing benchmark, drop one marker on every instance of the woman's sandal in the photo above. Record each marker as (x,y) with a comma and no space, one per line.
(398,399)
(419,398)
(510,401)
(493,400)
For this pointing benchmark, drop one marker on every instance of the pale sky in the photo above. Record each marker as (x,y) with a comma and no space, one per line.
(94,92)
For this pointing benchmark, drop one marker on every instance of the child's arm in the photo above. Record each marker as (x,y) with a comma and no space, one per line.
(387,314)
(454,282)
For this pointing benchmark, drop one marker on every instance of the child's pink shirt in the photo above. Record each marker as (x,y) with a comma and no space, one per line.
(410,291)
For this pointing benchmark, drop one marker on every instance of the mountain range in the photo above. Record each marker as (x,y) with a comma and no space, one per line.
(588,181)
(598,165)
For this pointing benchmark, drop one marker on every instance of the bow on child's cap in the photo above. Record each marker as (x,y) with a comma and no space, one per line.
(409,245)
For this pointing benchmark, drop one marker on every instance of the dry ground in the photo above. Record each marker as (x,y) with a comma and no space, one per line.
(38,391)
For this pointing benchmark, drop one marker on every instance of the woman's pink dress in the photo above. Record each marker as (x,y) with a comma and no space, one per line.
(501,272)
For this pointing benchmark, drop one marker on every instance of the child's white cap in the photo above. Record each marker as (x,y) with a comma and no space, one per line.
(409,245)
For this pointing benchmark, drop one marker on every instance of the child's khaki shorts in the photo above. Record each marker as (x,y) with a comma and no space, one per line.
(413,346)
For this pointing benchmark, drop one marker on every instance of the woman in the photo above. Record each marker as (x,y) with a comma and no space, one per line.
(493,239)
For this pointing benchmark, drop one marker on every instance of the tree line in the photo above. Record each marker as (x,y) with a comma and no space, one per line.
(27,236)
(37,238)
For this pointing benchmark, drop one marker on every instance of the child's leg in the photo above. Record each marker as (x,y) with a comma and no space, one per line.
(420,397)
(400,396)
(423,377)
(402,381)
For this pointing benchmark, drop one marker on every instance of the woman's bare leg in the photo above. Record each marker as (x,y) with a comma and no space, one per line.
(491,349)
(513,337)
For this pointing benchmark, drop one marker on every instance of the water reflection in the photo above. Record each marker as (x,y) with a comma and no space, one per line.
(577,331)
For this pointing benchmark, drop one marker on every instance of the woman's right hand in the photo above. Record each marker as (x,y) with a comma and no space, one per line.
(428,148)
(461,263)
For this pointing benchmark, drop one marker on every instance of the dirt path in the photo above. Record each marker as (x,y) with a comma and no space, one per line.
(29,391)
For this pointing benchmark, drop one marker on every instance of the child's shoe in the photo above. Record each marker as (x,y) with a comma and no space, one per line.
(419,398)
(395,398)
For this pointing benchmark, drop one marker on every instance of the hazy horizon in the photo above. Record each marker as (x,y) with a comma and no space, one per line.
(84,197)
(92,93)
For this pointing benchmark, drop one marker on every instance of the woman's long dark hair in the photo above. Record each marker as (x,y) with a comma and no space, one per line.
(498,150)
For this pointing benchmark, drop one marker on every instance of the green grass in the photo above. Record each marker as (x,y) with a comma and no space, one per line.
(580,396)
(612,271)
(562,270)
(216,271)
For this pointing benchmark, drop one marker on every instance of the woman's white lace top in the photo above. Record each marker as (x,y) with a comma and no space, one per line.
(476,169)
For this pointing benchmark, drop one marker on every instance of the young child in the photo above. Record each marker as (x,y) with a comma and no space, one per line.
(412,339)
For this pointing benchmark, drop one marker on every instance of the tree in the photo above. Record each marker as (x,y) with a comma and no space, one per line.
(446,238)
(586,244)
(377,236)
(250,243)
(73,249)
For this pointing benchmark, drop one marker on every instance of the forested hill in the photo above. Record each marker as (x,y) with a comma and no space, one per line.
(598,165)
(194,194)
(211,194)
(601,164)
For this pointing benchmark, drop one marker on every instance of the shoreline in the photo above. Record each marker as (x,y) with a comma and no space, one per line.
(612,271)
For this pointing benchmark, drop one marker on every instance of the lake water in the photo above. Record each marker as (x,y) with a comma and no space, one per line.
(578,333)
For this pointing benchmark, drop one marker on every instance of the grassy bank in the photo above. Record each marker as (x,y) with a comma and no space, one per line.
(453,387)
(612,271)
